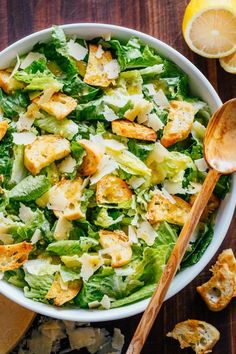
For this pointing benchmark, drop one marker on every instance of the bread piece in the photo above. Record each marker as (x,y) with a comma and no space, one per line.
(112,189)
(117,246)
(133,130)
(162,208)
(3,129)
(59,105)
(180,121)
(226,257)
(14,256)
(62,293)
(9,84)
(95,74)
(92,159)
(199,335)
(45,150)
(219,290)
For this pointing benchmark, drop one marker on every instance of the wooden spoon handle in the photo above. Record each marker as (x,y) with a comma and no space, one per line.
(172,265)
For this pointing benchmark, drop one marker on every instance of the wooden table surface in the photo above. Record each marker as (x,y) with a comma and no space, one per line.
(162,19)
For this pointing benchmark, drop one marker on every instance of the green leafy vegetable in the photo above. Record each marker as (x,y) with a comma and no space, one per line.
(66,127)
(38,286)
(30,188)
(14,104)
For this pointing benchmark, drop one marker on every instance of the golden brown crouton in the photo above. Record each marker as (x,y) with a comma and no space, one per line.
(59,105)
(92,158)
(112,189)
(64,198)
(199,335)
(212,205)
(95,74)
(219,290)
(133,130)
(3,129)
(62,294)
(179,125)
(14,256)
(162,208)
(226,257)
(45,150)
(9,84)
(116,243)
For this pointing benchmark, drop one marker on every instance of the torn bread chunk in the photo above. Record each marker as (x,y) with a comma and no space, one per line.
(133,130)
(96,72)
(112,189)
(3,129)
(219,290)
(180,121)
(116,245)
(8,83)
(61,292)
(199,335)
(64,199)
(226,257)
(174,210)
(92,158)
(59,105)
(14,256)
(45,150)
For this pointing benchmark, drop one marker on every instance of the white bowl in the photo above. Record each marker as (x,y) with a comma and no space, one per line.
(200,86)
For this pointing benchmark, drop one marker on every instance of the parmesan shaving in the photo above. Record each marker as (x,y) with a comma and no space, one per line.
(23,138)
(67,165)
(201,164)
(99,52)
(106,166)
(167,195)
(136,182)
(147,233)
(90,263)
(36,237)
(25,213)
(112,69)
(30,58)
(62,229)
(154,122)
(16,67)
(161,100)
(76,50)
(109,114)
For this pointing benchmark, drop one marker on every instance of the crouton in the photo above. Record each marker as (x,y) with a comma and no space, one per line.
(212,205)
(161,208)
(117,246)
(45,150)
(3,129)
(92,158)
(14,256)
(95,74)
(199,335)
(9,84)
(59,105)
(219,290)
(133,130)
(61,293)
(180,121)
(226,257)
(112,189)
(64,199)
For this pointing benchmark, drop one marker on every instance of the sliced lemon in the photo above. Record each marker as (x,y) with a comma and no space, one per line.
(209,27)
(229,63)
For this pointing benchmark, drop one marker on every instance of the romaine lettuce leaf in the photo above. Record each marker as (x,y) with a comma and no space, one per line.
(80,90)
(18,169)
(66,127)
(104,220)
(141,294)
(70,247)
(38,286)
(140,149)
(15,104)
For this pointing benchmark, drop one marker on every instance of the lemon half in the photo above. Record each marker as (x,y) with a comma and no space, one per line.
(209,27)
(229,63)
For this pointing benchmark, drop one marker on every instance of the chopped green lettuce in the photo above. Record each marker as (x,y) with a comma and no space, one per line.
(66,127)
(38,286)
(15,104)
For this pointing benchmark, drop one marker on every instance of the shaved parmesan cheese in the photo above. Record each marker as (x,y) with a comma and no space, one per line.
(154,122)
(194,188)
(132,234)
(147,233)
(62,229)
(99,52)
(198,105)
(24,122)
(52,329)
(118,340)
(94,304)
(76,50)
(124,271)
(57,199)
(113,145)
(198,131)
(6,239)
(67,165)
(109,114)
(1,275)
(25,213)
(36,236)
(160,99)
(112,69)
(159,152)
(201,164)
(107,36)
(47,95)
(23,138)
(174,187)
(90,263)
(106,302)
(30,58)
(16,67)
(151,89)
(106,166)
(168,196)
(136,182)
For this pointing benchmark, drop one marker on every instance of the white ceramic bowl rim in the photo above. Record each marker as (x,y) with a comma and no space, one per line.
(200,86)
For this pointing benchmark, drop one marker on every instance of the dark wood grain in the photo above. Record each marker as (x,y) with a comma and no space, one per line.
(162,19)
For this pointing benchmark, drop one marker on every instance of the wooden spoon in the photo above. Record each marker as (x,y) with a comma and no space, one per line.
(220,154)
